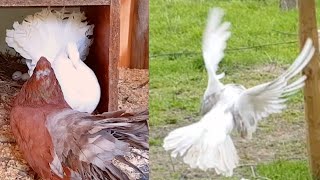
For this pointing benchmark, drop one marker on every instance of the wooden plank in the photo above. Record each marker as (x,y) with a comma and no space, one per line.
(104,53)
(125,32)
(308,28)
(134,52)
(139,52)
(114,53)
(21,3)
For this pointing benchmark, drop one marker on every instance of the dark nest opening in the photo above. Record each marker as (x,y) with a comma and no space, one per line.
(12,164)
(8,87)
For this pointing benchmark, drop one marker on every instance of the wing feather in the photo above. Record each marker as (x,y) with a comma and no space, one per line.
(260,101)
(214,43)
(82,141)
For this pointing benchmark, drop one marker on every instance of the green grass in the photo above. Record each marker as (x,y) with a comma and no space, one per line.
(179,79)
(174,91)
(289,170)
(177,26)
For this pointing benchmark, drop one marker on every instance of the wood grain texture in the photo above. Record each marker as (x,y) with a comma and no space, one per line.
(125,32)
(10,3)
(134,34)
(114,53)
(104,53)
(140,35)
(308,29)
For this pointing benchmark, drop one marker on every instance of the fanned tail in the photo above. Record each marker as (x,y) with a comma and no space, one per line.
(47,34)
(205,144)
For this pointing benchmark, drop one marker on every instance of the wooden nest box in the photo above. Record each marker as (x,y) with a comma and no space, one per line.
(104,55)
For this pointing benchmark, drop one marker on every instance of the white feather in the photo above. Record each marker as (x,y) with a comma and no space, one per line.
(47,34)
(63,38)
(78,82)
(260,101)
(207,143)
(214,43)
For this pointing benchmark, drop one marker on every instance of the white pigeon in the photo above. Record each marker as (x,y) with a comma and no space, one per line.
(78,83)
(207,144)
(64,39)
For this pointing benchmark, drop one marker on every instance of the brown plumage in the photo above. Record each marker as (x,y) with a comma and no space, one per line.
(61,143)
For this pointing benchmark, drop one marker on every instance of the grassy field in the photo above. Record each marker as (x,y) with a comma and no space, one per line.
(262,45)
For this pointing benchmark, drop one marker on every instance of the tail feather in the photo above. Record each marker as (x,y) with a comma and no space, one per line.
(47,34)
(223,157)
(83,33)
(204,145)
(180,140)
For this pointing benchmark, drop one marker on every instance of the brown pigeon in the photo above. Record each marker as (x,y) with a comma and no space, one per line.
(61,143)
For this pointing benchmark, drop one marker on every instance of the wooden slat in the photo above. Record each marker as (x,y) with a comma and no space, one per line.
(22,3)
(308,29)
(139,57)
(114,53)
(134,34)
(125,32)
(103,57)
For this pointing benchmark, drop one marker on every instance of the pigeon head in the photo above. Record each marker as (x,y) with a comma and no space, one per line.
(43,70)
(42,87)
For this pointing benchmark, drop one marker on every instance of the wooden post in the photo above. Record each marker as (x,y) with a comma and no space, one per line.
(308,28)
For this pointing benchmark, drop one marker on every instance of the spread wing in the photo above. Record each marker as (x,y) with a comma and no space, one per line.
(214,43)
(260,101)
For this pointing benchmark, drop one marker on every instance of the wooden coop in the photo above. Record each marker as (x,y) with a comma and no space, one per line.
(119,26)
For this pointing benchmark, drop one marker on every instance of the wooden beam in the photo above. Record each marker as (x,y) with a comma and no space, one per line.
(23,3)
(308,28)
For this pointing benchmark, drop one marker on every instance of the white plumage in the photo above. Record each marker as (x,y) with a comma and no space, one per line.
(64,39)
(78,83)
(207,143)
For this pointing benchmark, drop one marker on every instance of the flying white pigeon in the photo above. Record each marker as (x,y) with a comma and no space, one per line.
(207,144)
(63,38)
